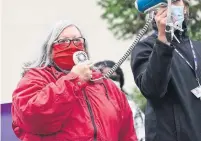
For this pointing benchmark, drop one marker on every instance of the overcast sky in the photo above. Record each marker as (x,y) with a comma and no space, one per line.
(25,24)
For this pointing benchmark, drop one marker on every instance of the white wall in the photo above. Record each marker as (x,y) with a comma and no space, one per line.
(25,23)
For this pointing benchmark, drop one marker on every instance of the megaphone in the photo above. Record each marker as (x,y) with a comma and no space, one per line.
(145,6)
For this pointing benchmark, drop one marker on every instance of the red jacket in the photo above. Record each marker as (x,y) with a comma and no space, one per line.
(51,106)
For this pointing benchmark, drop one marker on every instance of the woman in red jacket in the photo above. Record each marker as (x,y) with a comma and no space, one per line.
(55,101)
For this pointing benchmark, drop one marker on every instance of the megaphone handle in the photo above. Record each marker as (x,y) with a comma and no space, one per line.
(169,30)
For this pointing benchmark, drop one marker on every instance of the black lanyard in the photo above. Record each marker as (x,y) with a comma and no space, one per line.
(195,61)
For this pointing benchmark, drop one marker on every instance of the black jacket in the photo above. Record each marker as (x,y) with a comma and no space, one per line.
(173,113)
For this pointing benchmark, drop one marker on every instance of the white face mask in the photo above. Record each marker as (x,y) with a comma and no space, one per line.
(177,13)
(117,84)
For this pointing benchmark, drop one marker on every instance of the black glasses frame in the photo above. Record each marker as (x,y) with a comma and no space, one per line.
(68,40)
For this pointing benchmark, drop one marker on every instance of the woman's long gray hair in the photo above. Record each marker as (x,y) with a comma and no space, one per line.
(44,58)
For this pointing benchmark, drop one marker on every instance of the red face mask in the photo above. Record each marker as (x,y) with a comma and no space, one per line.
(62,54)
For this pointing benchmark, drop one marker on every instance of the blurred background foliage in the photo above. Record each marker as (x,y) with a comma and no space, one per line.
(124,21)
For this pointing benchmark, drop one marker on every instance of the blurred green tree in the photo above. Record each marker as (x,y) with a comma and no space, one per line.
(125,21)
(139,99)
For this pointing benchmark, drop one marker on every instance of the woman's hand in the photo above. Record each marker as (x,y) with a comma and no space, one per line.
(83,70)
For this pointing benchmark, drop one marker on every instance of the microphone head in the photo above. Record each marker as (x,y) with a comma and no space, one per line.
(80,57)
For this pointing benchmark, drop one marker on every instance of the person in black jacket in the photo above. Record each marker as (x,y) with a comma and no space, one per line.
(167,75)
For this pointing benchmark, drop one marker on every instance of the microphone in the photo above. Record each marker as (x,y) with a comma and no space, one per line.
(80,57)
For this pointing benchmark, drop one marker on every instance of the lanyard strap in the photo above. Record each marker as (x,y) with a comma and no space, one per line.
(195,61)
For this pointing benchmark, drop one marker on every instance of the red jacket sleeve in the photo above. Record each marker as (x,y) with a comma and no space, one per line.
(127,131)
(40,106)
